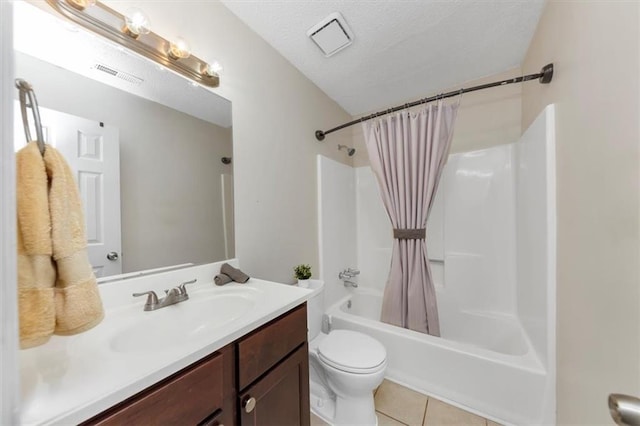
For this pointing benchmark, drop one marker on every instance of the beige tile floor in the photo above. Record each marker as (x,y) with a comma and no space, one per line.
(397,405)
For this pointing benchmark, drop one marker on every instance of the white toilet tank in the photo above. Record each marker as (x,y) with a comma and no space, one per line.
(315,308)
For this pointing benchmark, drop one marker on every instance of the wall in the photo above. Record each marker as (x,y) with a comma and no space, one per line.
(486,118)
(170,172)
(595,49)
(276,111)
(9,380)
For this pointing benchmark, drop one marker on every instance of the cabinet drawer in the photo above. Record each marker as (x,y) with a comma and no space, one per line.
(187,398)
(265,347)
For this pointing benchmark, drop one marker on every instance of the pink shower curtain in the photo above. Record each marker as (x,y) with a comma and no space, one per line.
(407,152)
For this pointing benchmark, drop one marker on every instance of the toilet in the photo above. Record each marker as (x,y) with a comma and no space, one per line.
(344,369)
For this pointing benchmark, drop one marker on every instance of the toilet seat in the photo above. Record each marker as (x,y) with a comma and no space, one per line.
(352,352)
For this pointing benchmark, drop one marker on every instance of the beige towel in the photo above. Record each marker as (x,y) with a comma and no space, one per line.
(73,297)
(36,271)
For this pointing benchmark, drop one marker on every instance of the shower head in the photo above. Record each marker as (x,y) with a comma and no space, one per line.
(226,160)
(350,151)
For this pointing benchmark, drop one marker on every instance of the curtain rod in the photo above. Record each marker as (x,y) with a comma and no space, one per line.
(544,76)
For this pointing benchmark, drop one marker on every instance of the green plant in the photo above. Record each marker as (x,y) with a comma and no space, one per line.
(302,272)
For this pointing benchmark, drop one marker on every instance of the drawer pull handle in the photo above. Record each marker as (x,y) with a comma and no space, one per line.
(249,404)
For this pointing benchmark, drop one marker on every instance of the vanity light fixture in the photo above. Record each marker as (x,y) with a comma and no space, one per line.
(81,4)
(179,49)
(132,31)
(212,69)
(136,23)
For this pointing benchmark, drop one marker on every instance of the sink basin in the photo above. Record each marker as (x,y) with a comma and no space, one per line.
(180,324)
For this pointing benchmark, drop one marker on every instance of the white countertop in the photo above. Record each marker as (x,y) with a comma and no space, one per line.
(70,379)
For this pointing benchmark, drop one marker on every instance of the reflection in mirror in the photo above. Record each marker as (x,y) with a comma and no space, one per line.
(146,146)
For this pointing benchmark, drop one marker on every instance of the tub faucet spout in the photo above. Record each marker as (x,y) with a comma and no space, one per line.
(348,283)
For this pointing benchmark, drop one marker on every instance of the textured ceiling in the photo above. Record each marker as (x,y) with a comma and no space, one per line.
(76,50)
(402,49)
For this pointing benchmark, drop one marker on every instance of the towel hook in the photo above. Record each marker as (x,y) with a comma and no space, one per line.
(27,94)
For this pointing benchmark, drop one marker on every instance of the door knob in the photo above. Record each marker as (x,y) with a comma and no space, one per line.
(249,404)
(624,409)
(112,256)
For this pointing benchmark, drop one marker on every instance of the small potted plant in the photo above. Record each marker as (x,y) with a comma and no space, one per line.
(302,273)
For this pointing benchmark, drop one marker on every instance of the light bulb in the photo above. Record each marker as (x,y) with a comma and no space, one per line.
(179,49)
(81,4)
(136,23)
(212,69)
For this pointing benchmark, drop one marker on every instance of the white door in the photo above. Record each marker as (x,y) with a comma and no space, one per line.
(93,153)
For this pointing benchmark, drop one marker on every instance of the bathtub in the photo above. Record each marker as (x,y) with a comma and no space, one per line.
(482,363)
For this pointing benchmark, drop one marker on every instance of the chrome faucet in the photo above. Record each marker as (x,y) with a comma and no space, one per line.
(174,295)
(348,283)
(182,290)
(346,276)
(348,273)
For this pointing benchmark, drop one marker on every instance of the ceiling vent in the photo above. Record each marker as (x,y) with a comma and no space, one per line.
(332,34)
(129,78)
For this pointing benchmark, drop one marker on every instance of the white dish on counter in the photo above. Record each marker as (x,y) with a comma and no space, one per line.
(70,379)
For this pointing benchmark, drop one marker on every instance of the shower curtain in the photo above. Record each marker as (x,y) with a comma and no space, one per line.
(407,152)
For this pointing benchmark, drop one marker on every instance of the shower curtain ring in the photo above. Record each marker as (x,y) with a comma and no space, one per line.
(460,96)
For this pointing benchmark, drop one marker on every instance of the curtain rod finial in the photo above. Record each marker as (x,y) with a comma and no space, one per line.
(547,74)
(320,135)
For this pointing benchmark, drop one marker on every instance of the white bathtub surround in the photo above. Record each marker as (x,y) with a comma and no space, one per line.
(491,242)
(71,379)
(471,232)
(536,231)
(408,152)
(374,231)
(536,246)
(336,224)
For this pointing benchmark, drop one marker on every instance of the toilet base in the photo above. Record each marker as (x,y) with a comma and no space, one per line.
(323,405)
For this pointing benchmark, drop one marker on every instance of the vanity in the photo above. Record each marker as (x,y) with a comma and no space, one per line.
(235,354)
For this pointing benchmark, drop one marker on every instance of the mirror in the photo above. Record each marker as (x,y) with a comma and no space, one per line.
(146,146)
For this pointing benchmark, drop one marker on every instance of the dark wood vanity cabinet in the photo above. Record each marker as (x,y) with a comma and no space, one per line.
(261,379)
(281,397)
(273,376)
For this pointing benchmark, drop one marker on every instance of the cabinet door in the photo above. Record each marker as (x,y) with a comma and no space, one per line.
(281,397)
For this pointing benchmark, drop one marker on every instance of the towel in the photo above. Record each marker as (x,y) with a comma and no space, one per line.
(222,279)
(55,278)
(36,270)
(235,274)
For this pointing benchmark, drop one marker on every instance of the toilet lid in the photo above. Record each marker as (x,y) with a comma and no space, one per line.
(352,352)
